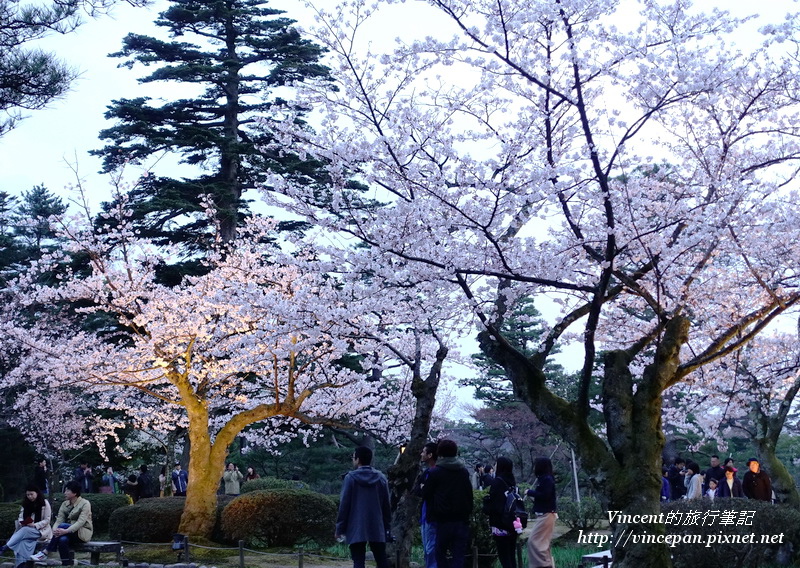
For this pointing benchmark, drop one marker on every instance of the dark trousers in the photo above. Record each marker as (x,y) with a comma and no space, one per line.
(452,537)
(358,552)
(507,550)
(62,544)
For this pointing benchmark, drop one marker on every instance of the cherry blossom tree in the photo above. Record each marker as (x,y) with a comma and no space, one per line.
(515,159)
(257,341)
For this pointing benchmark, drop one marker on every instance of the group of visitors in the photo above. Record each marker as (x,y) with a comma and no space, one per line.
(445,486)
(687,480)
(138,484)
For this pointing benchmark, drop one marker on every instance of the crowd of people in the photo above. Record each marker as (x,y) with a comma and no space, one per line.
(688,480)
(446,488)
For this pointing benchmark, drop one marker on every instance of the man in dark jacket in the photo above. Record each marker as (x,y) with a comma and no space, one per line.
(448,502)
(364,510)
(676,475)
(756,483)
(716,471)
(428,458)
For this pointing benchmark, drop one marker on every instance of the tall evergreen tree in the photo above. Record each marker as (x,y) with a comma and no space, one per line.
(38,205)
(241,52)
(524,328)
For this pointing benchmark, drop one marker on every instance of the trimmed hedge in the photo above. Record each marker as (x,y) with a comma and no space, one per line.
(280,518)
(272,484)
(768,519)
(156,519)
(9,512)
(149,520)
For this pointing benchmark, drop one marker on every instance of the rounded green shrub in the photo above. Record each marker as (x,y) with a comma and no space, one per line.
(150,520)
(720,519)
(9,512)
(157,519)
(280,518)
(272,484)
(580,516)
(103,506)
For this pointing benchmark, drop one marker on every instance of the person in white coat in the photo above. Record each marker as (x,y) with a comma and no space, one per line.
(32,526)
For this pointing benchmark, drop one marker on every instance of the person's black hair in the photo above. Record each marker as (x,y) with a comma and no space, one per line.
(488,468)
(714,456)
(363,454)
(447,449)
(33,509)
(679,460)
(504,465)
(143,468)
(542,466)
(727,461)
(430,447)
(74,486)
(694,466)
(505,470)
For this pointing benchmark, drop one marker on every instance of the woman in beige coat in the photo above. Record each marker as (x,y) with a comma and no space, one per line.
(32,526)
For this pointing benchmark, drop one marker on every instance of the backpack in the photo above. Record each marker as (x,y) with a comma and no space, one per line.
(514,508)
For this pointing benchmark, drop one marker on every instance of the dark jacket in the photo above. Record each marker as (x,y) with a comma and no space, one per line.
(757,486)
(544,494)
(724,491)
(676,486)
(497,500)
(448,492)
(364,510)
(145,485)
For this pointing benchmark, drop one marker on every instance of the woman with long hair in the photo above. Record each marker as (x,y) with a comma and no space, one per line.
(505,535)
(32,526)
(544,510)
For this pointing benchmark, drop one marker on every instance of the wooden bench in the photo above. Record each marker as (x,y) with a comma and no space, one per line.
(601,558)
(96,547)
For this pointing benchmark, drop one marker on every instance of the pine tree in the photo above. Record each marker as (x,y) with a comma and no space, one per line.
(30,78)
(524,328)
(241,52)
(38,205)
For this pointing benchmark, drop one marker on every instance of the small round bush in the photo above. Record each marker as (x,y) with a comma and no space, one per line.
(280,518)
(150,520)
(9,512)
(580,516)
(272,483)
(103,506)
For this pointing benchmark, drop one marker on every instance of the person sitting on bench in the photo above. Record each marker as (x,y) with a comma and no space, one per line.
(73,525)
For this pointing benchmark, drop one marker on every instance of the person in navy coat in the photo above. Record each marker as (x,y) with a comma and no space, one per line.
(731,486)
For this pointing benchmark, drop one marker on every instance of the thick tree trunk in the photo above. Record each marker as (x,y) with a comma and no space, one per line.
(628,462)
(633,423)
(405,516)
(206,466)
(782,481)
